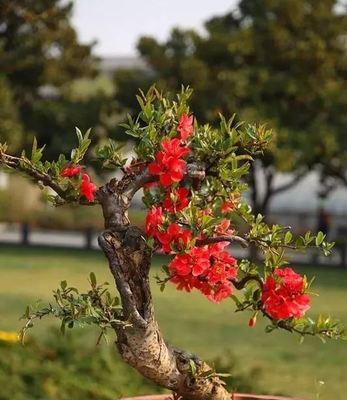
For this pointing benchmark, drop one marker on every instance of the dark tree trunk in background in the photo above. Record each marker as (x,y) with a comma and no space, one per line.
(261,195)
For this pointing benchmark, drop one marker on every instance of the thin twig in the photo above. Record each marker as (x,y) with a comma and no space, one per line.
(15,163)
(242,282)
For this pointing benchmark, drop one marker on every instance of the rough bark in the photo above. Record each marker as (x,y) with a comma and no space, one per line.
(139,341)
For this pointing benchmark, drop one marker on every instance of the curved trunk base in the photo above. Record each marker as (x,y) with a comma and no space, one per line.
(139,340)
(234,396)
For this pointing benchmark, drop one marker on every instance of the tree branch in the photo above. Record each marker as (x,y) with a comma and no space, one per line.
(16,163)
(296,179)
(138,183)
(218,239)
(248,278)
(134,183)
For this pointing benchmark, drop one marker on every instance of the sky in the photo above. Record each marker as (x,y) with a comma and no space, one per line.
(117,24)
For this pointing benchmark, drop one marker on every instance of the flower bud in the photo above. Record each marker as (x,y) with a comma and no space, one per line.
(252,321)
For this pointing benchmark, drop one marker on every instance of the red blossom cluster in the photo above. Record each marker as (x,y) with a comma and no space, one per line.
(210,268)
(283,295)
(87,187)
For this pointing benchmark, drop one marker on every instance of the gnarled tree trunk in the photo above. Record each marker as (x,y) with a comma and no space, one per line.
(140,341)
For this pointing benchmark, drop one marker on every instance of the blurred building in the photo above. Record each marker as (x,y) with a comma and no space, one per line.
(110,64)
(298,207)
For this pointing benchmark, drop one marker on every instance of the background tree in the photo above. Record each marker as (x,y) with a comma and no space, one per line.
(40,53)
(10,126)
(283,62)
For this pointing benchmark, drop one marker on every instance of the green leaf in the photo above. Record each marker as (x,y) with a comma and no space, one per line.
(79,135)
(63,285)
(319,238)
(92,279)
(288,237)
(27,312)
(192,367)
(36,153)
(270,328)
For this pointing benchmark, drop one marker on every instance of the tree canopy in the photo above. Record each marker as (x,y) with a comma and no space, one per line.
(10,126)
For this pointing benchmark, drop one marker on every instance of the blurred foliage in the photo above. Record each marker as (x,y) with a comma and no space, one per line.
(65,368)
(45,66)
(281,62)
(40,46)
(54,119)
(10,127)
(33,209)
(62,368)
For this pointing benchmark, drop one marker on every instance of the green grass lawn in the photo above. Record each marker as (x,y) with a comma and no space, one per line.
(190,321)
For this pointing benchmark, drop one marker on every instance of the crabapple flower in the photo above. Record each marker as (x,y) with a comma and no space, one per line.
(283,295)
(227,206)
(70,171)
(221,292)
(223,228)
(174,235)
(154,218)
(185,126)
(195,262)
(88,188)
(168,164)
(176,200)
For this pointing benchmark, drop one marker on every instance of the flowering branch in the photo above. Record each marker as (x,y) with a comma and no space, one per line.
(67,178)
(24,165)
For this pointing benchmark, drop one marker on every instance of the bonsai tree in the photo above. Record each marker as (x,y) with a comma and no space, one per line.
(192,178)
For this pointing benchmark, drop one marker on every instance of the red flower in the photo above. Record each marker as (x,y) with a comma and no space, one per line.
(174,235)
(221,292)
(227,206)
(185,126)
(283,295)
(223,228)
(174,148)
(180,265)
(70,171)
(154,218)
(223,264)
(221,272)
(168,164)
(208,269)
(195,262)
(185,282)
(176,200)
(88,188)
(200,260)
(216,251)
